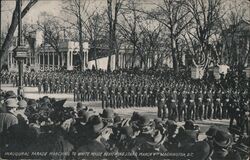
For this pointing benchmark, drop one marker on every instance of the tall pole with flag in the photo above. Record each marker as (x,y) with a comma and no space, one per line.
(20,51)
(0,43)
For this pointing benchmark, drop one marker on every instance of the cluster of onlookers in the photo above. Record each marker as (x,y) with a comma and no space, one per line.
(45,126)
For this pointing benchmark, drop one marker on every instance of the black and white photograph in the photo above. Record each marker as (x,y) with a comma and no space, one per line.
(124,79)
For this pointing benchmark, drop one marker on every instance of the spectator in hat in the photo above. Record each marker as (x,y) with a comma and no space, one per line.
(31,108)
(7,119)
(125,139)
(243,147)
(221,144)
(156,142)
(146,128)
(108,116)
(171,132)
(98,133)
(10,94)
(22,118)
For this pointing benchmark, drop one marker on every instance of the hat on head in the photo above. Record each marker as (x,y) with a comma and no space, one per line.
(117,119)
(157,139)
(11,103)
(189,125)
(22,104)
(144,121)
(84,115)
(96,125)
(108,113)
(222,139)
(10,94)
(211,132)
(79,106)
(31,102)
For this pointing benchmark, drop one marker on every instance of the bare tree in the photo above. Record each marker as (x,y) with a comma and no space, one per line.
(205,16)
(230,27)
(128,27)
(95,28)
(77,9)
(14,22)
(150,45)
(175,17)
(112,21)
(52,29)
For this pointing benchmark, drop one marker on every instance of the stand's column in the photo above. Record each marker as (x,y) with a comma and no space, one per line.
(53,54)
(43,61)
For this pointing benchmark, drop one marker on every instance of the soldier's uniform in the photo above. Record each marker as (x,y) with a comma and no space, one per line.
(173,112)
(217,105)
(62,87)
(208,99)
(118,93)
(151,96)
(161,105)
(51,86)
(66,86)
(112,96)
(89,91)
(29,80)
(199,105)
(39,86)
(25,80)
(182,107)
(139,95)
(226,104)
(191,105)
(95,90)
(132,95)
(145,96)
(105,96)
(45,86)
(125,96)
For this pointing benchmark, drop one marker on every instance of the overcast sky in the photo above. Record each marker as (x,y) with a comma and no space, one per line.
(54,7)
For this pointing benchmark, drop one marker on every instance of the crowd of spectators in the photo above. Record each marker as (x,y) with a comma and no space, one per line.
(46,126)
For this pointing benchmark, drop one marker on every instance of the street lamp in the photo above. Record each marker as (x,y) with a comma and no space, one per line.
(20,52)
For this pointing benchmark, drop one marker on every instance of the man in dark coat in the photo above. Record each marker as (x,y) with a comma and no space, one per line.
(98,135)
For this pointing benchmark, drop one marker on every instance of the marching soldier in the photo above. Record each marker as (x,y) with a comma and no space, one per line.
(145,96)
(191,105)
(112,95)
(119,96)
(151,96)
(161,105)
(226,104)
(132,95)
(45,86)
(217,104)
(208,98)
(139,95)
(125,96)
(182,107)
(105,100)
(39,85)
(173,113)
(199,105)
(234,109)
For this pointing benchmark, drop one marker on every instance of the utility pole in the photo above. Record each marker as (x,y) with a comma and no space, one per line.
(0,43)
(20,51)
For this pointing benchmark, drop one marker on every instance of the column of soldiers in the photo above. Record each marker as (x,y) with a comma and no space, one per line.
(176,99)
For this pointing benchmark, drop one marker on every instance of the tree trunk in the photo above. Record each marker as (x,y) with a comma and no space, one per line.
(174,57)
(14,22)
(94,45)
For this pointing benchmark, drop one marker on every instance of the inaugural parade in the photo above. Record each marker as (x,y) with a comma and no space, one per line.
(125,80)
